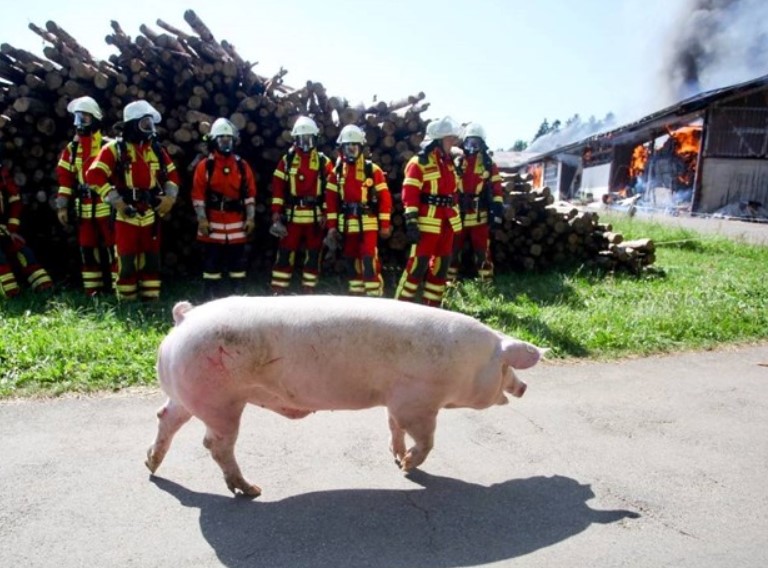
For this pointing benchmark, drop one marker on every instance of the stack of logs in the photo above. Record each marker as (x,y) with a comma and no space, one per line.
(192,79)
(537,234)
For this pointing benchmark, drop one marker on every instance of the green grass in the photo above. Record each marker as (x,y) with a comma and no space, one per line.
(703,292)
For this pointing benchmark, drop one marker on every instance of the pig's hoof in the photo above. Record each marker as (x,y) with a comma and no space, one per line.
(241,486)
(152,462)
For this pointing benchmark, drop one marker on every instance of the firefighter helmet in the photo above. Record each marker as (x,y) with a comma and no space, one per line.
(223,127)
(442,128)
(139,109)
(351,134)
(304,126)
(85,104)
(473,129)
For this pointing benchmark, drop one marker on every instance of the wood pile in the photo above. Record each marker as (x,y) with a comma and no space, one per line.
(192,78)
(538,234)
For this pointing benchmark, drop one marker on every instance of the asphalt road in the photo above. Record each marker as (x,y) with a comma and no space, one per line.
(649,462)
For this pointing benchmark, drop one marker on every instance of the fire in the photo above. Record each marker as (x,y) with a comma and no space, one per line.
(686,143)
(639,160)
(536,172)
(687,140)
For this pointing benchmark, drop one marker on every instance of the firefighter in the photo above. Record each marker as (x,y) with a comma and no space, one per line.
(136,176)
(359,206)
(91,215)
(480,203)
(298,193)
(224,198)
(431,214)
(13,248)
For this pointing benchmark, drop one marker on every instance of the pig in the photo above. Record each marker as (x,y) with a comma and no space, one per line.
(295,355)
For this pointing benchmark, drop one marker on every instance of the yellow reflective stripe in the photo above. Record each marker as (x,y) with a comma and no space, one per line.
(412,209)
(150,283)
(381,186)
(14,198)
(413,182)
(65,191)
(14,221)
(64,164)
(237,275)
(280,175)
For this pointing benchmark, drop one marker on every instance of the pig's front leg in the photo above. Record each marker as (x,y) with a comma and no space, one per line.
(419,423)
(220,438)
(396,440)
(171,416)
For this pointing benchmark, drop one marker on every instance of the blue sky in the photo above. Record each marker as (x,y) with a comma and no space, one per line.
(506,64)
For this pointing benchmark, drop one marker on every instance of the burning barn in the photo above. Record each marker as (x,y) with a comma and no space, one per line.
(706,155)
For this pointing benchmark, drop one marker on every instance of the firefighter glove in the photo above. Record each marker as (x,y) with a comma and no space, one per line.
(63,216)
(278,230)
(203,227)
(250,226)
(332,239)
(164,207)
(412,232)
(497,212)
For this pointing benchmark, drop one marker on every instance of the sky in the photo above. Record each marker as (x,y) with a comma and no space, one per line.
(507,65)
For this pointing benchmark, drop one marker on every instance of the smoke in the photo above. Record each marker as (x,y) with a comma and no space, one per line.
(716,43)
(574,130)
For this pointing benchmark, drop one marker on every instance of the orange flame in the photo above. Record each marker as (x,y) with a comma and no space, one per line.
(687,143)
(537,174)
(639,160)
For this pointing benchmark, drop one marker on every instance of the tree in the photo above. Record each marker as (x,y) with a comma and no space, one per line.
(519,146)
(543,129)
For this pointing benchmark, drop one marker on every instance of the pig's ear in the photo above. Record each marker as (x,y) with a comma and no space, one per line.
(179,310)
(520,354)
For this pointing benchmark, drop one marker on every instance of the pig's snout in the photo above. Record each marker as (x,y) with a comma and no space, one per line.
(518,389)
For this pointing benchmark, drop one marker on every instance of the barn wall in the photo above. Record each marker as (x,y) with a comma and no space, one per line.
(729,183)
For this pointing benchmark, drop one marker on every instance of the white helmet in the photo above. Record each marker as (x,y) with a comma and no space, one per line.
(223,127)
(85,104)
(140,109)
(304,126)
(473,129)
(442,128)
(351,134)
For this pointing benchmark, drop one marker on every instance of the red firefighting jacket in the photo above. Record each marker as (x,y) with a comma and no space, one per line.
(473,199)
(299,183)
(430,189)
(358,197)
(10,202)
(139,181)
(70,172)
(218,185)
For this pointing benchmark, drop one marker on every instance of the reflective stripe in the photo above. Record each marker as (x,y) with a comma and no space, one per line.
(212,276)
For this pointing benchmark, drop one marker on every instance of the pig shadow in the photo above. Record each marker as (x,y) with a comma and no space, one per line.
(449,523)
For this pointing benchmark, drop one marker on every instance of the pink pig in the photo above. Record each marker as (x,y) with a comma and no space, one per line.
(299,354)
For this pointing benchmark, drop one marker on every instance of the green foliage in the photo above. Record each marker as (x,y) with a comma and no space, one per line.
(702,292)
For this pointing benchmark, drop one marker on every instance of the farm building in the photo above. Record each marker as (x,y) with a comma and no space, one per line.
(706,155)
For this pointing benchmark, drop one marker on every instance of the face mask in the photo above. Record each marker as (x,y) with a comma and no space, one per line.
(472,145)
(350,152)
(225,144)
(83,122)
(146,126)
(305,141)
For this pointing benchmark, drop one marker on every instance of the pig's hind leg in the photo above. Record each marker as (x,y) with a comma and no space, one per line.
(220,438)
(171,416)
(419,423)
